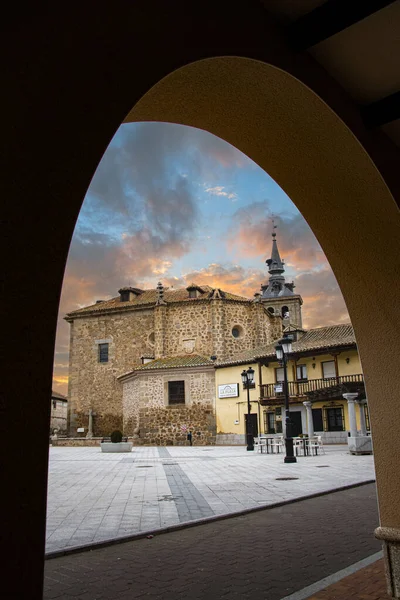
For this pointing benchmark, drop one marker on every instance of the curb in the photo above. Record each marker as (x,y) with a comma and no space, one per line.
(324,583)
(196,522)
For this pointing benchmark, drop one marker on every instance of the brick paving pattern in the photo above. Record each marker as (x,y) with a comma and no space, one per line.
(367,584)
(93,497)
(264,555)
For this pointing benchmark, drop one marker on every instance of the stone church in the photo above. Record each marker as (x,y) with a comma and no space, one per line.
(144,361)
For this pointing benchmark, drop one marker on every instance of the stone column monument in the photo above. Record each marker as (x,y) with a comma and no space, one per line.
(310,424)
(358,444)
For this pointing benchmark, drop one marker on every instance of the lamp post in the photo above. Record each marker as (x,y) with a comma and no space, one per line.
(282,349)
(248,381)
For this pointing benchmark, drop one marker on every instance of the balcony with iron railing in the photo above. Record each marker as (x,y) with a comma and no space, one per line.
(311,387)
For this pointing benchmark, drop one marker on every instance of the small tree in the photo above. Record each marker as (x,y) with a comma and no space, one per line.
(116,436)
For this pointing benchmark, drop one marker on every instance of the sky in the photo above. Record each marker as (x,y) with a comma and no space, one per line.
(176,204)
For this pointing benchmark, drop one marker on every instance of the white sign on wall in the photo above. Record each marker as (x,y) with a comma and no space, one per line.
(229,390)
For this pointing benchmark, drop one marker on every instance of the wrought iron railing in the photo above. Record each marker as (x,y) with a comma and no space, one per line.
(301,388)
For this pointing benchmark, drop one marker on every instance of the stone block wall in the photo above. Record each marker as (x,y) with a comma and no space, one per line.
(188,321)
(93,384)
(203,327)
(58,415)
(293,304)
(148,415)
(168,426)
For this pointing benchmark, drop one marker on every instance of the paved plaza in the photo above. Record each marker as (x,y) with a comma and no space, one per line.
(94,497)
(286,553)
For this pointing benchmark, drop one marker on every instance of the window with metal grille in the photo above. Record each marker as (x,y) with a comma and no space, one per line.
(271,423)
(366,413)
(103,353)
(334,418)
(176,392)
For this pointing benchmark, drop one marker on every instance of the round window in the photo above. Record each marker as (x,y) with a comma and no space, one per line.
(237,331)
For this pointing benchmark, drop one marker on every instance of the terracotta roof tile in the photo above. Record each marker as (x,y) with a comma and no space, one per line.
(314,339)
(58,396)
(149,297)
(193,360)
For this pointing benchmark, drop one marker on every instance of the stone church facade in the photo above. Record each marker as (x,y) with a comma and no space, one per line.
(143,362)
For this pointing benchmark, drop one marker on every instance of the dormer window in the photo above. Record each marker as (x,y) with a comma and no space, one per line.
(127,294)
(194,290)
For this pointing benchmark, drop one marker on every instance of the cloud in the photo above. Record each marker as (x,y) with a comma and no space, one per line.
(251,236)
(218,190)
(141,215)
(232,278)
(323,301)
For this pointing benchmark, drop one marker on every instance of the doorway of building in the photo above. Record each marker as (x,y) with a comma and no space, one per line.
(334,418)
(317,419)
(297,427)
(253,422)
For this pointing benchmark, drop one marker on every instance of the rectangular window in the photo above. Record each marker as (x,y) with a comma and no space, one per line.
(103,353)
(301,372)
(328,369)
(279,376)
(334,419)
(271,422)
(366,413)
(176,392)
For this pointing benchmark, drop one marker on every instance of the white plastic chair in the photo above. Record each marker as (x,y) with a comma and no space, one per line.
(316,443)
(298,446)
(320,444)
(278,443)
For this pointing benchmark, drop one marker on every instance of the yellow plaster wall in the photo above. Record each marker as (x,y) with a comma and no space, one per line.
(227,409)
(353,368)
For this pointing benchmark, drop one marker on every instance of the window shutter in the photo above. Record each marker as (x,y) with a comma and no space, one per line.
(328,369)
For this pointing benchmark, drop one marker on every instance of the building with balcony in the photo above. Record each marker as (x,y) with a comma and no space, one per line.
(323,366)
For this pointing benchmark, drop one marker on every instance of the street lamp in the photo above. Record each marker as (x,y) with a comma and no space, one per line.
(248,382)
(282,349)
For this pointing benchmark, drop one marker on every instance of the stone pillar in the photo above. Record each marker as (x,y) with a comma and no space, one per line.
(390,537)
(352,413)
(363,424)
(358,444)
(89,434)
(218,327)
(159,330)
(310,424)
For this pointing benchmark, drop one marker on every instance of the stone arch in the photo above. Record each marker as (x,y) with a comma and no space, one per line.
(66,115)
(302,143)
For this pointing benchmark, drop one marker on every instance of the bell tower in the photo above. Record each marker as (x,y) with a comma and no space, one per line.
(277,294)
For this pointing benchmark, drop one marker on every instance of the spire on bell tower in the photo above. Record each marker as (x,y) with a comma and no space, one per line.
(278,294)
(275,263)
